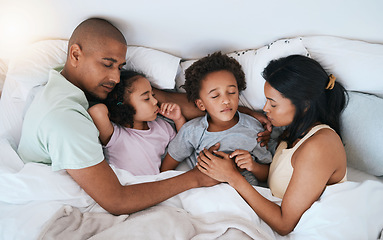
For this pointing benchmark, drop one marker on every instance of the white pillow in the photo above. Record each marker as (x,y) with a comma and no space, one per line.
(253,63)
(160,67)
(26,72)
(30,70)
(356,64)
(362,135)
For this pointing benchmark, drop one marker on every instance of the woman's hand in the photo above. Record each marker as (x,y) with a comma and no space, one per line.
(222,168)
(263,137)
(243,159)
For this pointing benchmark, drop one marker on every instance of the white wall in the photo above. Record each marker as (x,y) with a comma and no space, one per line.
(192,28)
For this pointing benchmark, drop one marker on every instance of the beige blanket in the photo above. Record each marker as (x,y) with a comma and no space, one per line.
(159,222)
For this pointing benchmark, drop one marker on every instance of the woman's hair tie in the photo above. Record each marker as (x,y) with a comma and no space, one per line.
(331,82)
(119,103)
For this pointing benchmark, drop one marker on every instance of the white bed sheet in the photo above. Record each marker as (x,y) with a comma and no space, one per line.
(350,210)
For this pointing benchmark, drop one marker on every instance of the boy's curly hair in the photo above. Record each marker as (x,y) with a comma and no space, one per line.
(211,63)
(120,110)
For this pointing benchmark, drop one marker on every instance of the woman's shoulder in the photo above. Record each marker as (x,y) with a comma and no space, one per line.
(324,135)
(325,144)
(324,154)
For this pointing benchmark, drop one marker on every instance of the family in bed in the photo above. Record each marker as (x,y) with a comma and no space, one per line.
(219,141)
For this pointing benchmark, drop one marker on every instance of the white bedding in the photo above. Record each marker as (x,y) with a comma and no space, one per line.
(52,203)
(44,200)
(34,201)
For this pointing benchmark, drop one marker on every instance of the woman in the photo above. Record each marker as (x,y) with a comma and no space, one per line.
(303,98)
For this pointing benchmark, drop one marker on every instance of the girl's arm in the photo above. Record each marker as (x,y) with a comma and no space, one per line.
(317,162)
(168,163)
(100,116)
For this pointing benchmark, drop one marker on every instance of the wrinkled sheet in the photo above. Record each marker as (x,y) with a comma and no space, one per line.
(38,203)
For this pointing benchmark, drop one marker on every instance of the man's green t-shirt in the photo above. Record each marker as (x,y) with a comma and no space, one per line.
(57,129)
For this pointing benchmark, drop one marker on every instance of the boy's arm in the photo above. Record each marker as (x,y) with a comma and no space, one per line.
(168,163)
(100,116)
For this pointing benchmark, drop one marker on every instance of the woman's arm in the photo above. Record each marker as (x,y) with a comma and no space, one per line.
(315,163)
(100,116)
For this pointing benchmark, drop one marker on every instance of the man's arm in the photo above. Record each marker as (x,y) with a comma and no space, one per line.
(101,183)
(190,111)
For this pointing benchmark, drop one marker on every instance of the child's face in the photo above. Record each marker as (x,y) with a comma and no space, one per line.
(143,101)
(219,95)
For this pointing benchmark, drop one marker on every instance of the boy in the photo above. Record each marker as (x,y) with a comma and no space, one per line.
(213,83)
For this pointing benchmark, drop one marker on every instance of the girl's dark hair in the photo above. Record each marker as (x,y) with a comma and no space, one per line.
(120,110)
(211,63)
(304,81)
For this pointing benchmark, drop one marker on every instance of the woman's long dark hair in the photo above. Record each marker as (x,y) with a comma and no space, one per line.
(121,111)
(303,80)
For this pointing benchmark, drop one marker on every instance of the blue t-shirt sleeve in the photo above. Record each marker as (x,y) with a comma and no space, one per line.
(182,145)
(262,154)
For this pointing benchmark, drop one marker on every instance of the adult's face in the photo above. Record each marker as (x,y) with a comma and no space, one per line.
(279,110)
(99,67)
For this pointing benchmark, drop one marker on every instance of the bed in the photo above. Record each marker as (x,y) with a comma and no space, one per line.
(164,38)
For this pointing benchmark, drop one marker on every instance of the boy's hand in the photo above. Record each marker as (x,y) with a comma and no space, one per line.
(243,159)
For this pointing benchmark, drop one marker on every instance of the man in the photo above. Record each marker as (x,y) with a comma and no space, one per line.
(57,129)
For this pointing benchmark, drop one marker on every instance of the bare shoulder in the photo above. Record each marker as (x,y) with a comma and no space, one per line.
(99,111)
(324,150)
(325,145)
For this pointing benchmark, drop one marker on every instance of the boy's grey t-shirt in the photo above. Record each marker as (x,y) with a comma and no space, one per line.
(193,137)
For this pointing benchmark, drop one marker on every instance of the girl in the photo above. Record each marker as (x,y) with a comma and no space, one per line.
(301,96)
(134,138)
